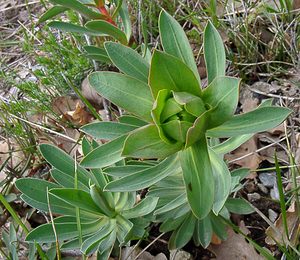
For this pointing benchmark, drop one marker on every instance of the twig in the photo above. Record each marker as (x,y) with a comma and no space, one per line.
(44,128)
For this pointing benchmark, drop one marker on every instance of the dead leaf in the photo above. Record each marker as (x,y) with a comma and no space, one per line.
(235,247)
(63,104)
(90,94)
(293,225)
(252,161)
(79,116)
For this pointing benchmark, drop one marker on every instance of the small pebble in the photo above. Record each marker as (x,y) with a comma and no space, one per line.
(272,215)
(267,179)
(253,196)
(180,255)
(274,194)
(262,188)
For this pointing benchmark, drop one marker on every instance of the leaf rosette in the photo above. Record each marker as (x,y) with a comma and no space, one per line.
(174,114)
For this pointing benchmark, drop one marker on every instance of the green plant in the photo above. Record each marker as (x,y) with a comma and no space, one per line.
(174,126)
(179,114)
(99,21)
(92,219)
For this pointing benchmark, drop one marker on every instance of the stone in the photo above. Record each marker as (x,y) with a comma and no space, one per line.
(262,188)
(272,215)
(253,196)
(180,255)
(267,179)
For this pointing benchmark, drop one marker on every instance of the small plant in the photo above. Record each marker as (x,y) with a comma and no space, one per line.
(92,219)
(100,20)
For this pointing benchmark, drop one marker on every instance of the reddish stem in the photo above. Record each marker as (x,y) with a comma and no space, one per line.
(103,11)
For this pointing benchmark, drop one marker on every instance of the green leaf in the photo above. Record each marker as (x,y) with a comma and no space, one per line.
(196,132)
(169,72)
(98,196)
(222,95)
(107,28)
(128,61)
(183,234)
(90,244)
(124,14)
(178,201)
(146,143)
(222,181)
(146,178)
(35,194)
(44,233)
(198,178)
(63,162)
(239,206)
(80,8)
(105,155)
(214,53)
(66,180)
(145,207)
(52,12)
(73,28)
(171,224)
(175,42)
(124,228)
(131,120)
(123,171)
(193,104)
(77,198)
(234,142)
(218,226)
(231,144)
(258,120)
(107,130)
(203,232)
(124,91)
(96,53)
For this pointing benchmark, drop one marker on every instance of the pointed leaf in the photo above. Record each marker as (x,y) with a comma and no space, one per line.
(169,72)
(77,198)
(73,28)
(108,29)
(107,130)
(105,155)
(146,178)
(175,42)
(198,178)
(258,120)
(128,93)
(222,95)
(214,53)
(239,206)
(222,181)
(96,53)
(66,180)
(145,207)
(203,232)
(136,145)
(35,194)
(52,12)
(44,233)
(63,162)
(124,14)
(122,171)
(184,233)
(90,244)
(128,61)
(80,8)
(231,144)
